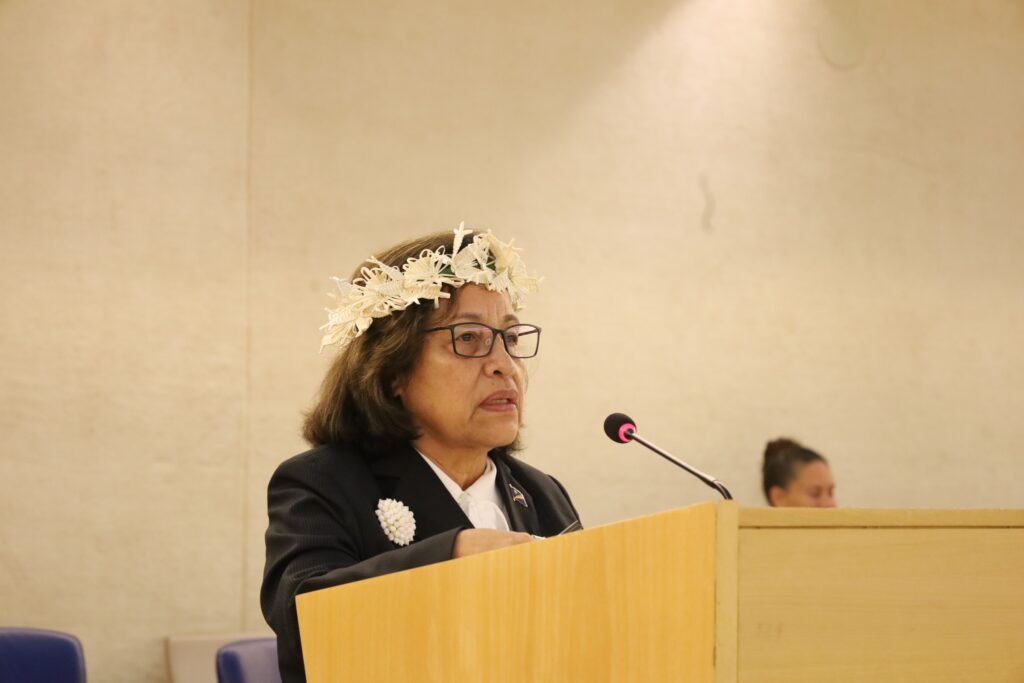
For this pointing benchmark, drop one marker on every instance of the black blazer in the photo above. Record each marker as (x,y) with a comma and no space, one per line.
(324,531)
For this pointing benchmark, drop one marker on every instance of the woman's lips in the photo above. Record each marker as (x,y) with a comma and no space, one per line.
(501,402)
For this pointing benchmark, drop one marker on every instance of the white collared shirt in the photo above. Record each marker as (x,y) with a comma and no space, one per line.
(481,501)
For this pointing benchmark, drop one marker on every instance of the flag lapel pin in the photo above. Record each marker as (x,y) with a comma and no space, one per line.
(517,496)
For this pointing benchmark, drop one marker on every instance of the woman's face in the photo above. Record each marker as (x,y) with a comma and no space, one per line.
(812,486)
(465,406)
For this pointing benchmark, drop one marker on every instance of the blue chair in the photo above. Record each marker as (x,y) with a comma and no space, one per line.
(248,661)
(30,655)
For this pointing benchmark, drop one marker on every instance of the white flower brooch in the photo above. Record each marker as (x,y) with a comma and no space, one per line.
(397,521)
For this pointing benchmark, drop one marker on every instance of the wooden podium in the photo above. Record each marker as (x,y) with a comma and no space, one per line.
(709,593)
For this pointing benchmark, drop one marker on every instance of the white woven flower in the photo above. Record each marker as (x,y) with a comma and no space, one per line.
(397,521)
(424,276)
(380,290)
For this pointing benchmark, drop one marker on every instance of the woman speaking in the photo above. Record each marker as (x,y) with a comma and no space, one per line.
(414,429)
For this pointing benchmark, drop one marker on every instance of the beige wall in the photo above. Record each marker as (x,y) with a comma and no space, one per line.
(123,355)
(754,218)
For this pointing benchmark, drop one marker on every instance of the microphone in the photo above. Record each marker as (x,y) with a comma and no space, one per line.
(621,428)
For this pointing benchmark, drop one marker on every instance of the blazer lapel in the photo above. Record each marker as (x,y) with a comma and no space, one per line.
(522,515)
(403,475)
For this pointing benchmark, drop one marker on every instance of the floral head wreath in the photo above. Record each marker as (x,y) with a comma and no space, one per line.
(381,289)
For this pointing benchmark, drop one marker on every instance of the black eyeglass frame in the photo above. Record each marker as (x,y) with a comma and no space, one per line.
(495,332)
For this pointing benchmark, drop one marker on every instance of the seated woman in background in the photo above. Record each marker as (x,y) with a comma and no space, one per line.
(795,476)
(413,431)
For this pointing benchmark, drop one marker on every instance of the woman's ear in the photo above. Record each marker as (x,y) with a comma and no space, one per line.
(777,496)
(398,387)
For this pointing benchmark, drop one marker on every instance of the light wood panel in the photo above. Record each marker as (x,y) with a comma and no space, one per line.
(726,604)
(633,601)
(708,593)
(860,518)
(884,602)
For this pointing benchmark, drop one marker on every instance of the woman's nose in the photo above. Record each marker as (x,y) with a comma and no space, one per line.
(498,361)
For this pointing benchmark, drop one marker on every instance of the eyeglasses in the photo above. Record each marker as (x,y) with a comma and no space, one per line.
(476,340)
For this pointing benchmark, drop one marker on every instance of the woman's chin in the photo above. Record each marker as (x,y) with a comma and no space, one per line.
(503,437)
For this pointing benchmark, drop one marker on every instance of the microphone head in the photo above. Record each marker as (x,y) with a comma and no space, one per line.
(616,425)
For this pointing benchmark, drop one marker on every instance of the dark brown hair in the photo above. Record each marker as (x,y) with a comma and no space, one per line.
(781,457)
(356,402)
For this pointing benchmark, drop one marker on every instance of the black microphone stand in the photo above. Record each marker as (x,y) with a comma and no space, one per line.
(707,479)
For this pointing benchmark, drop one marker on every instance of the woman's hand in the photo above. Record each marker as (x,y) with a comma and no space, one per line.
(473,541)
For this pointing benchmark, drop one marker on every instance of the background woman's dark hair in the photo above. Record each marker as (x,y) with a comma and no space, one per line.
(356,402)
(781,457)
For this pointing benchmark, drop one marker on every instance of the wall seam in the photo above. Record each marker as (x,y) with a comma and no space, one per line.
(247,410)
